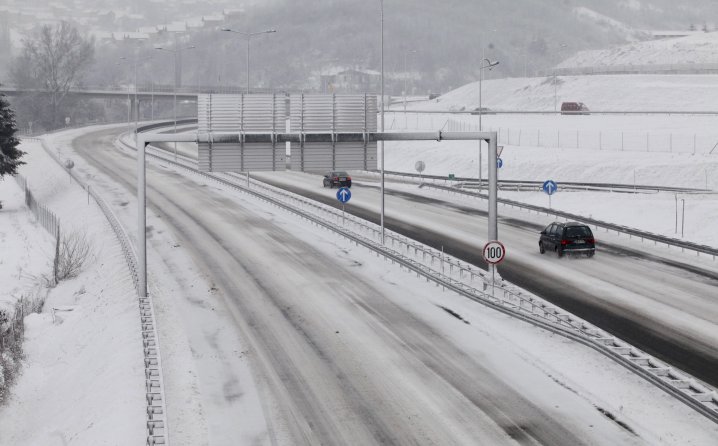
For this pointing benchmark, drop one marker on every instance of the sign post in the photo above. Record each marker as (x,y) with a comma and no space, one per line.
(550,187)
(343,195)
(420,166)
(494,253)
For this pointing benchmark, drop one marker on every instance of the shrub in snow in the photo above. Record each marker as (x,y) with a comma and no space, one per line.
(74,252)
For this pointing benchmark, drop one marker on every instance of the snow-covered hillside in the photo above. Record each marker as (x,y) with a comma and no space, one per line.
(693,49)
(601,92)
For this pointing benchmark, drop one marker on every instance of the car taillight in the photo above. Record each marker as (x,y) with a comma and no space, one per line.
(564,242)
(336,178)
(349,178)
(590,240)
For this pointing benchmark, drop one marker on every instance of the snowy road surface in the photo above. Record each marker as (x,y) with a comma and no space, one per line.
(343,351)
(667,310)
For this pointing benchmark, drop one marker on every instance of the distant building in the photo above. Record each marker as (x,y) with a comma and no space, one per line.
(351,81)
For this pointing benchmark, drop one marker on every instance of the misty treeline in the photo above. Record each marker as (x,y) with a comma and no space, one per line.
(436,46)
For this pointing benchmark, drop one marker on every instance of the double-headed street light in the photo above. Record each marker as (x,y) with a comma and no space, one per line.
(137,103)
(249,36)
(485,63)
(175,51)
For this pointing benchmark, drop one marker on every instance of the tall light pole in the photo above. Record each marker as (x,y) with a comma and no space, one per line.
(137,102)
(406,56)
(382,122)
(555,81)
(174,90)
(249,36)
(485,63)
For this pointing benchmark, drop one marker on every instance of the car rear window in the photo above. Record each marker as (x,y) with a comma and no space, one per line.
(578,231)
(341,174)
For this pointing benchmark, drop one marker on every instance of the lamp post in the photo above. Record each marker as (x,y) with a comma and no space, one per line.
(555,82)
(174,90)
(485,63)
(382,122)
(137,102)
(406,56)
(249,37)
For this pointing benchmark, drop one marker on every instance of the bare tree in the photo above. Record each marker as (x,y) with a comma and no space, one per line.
(53,60)
(74,252)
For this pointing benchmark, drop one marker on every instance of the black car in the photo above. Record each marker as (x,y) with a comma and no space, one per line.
(337,178)
(567,238)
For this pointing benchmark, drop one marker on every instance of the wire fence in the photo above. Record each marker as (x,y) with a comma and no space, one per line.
(43,214)
(608,140)
(12,319)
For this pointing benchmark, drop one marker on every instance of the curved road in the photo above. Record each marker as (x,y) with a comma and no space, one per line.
(335,359)
(667,308)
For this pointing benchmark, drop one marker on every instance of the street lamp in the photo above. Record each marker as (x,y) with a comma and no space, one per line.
(174,52)
(406,56)
(137,103)
(382,122)
(485,63)
(555,81)
(249,37)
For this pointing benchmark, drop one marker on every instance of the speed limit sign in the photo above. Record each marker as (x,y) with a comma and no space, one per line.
(494,252)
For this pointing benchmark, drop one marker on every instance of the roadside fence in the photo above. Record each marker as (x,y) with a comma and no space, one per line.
(608,140)
(43,214)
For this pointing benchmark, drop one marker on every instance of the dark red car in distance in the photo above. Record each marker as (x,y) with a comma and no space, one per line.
(574,108)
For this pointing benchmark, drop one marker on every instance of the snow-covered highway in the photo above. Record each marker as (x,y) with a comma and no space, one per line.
(335,349)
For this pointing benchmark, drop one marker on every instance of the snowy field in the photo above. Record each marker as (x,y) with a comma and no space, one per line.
(655,150)
(71,391)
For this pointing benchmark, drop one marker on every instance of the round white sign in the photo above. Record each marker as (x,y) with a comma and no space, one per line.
(494,252)
(419,166)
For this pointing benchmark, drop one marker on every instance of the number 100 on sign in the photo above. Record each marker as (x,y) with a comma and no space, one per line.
(494,252)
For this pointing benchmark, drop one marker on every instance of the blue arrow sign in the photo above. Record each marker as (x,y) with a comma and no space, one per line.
(550,187)
(499,163)
(344,194)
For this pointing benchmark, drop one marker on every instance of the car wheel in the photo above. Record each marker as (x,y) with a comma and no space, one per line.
(590,254)
(541,249)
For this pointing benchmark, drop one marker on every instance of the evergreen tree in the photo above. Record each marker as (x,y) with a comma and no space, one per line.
(9,153)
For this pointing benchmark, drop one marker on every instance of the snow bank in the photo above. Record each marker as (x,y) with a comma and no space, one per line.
(82,382)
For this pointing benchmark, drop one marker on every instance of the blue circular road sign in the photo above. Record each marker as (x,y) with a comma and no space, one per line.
(344,194)
(550,187)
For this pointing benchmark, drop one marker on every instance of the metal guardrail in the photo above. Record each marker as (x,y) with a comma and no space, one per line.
(552,112)
(536,185)
(510,299)
(632,232)
(685,68)
(156,409)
